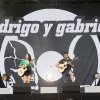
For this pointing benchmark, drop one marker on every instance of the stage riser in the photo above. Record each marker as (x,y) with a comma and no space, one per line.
(91,96)
(63,96)
(16,97)
(92,89)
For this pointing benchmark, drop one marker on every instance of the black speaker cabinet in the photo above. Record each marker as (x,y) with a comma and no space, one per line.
(25,88)
(71,88)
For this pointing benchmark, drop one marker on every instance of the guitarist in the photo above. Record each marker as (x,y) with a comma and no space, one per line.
(69,70)
(27,62)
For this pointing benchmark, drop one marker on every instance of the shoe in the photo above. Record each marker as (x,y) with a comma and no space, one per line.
(74,79)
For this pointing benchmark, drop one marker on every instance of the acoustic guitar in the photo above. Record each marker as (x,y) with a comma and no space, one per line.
(22,70)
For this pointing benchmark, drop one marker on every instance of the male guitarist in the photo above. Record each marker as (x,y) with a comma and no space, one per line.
(68,71)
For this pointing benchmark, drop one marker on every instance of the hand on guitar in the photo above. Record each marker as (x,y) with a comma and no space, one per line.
(71,65)
(61,66)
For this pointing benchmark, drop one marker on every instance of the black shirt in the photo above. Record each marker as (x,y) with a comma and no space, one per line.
(62,61)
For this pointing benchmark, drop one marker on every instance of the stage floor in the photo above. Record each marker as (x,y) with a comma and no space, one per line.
(56,96)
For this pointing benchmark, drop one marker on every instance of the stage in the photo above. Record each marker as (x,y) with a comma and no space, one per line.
(56,96)
(49,50)
(50,93)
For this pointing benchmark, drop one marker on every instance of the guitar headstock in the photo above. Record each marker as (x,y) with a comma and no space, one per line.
(76,58)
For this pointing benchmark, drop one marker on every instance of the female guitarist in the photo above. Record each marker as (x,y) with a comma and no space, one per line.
(66,68)
(25,68)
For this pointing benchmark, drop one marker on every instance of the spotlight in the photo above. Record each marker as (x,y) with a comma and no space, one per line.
(5,78)
(49,77)
(96,76)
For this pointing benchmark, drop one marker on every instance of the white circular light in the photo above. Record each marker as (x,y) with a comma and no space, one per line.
(46,64)
(49,77)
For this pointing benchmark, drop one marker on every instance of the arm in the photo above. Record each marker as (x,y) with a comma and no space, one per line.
(31,64)
(58,65)
(22,64)
(71,65)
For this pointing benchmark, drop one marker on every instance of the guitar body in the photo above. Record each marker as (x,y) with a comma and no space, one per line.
(22,70)
(62,68)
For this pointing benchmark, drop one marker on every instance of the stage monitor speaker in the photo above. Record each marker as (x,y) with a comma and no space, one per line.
(71,88)
(6,90)
(92,89)
(25,88)
(48,90)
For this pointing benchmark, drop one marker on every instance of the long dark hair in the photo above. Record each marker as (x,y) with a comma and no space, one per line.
(29,56)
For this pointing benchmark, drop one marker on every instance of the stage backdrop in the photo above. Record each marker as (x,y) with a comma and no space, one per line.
(46,31)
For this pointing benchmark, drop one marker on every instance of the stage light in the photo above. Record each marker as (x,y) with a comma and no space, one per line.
(96,76)
(49,77)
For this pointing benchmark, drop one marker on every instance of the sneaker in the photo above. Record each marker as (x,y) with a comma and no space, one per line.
(74,79)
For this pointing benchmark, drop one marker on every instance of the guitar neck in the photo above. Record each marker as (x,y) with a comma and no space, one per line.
(76,58)
(24,66)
